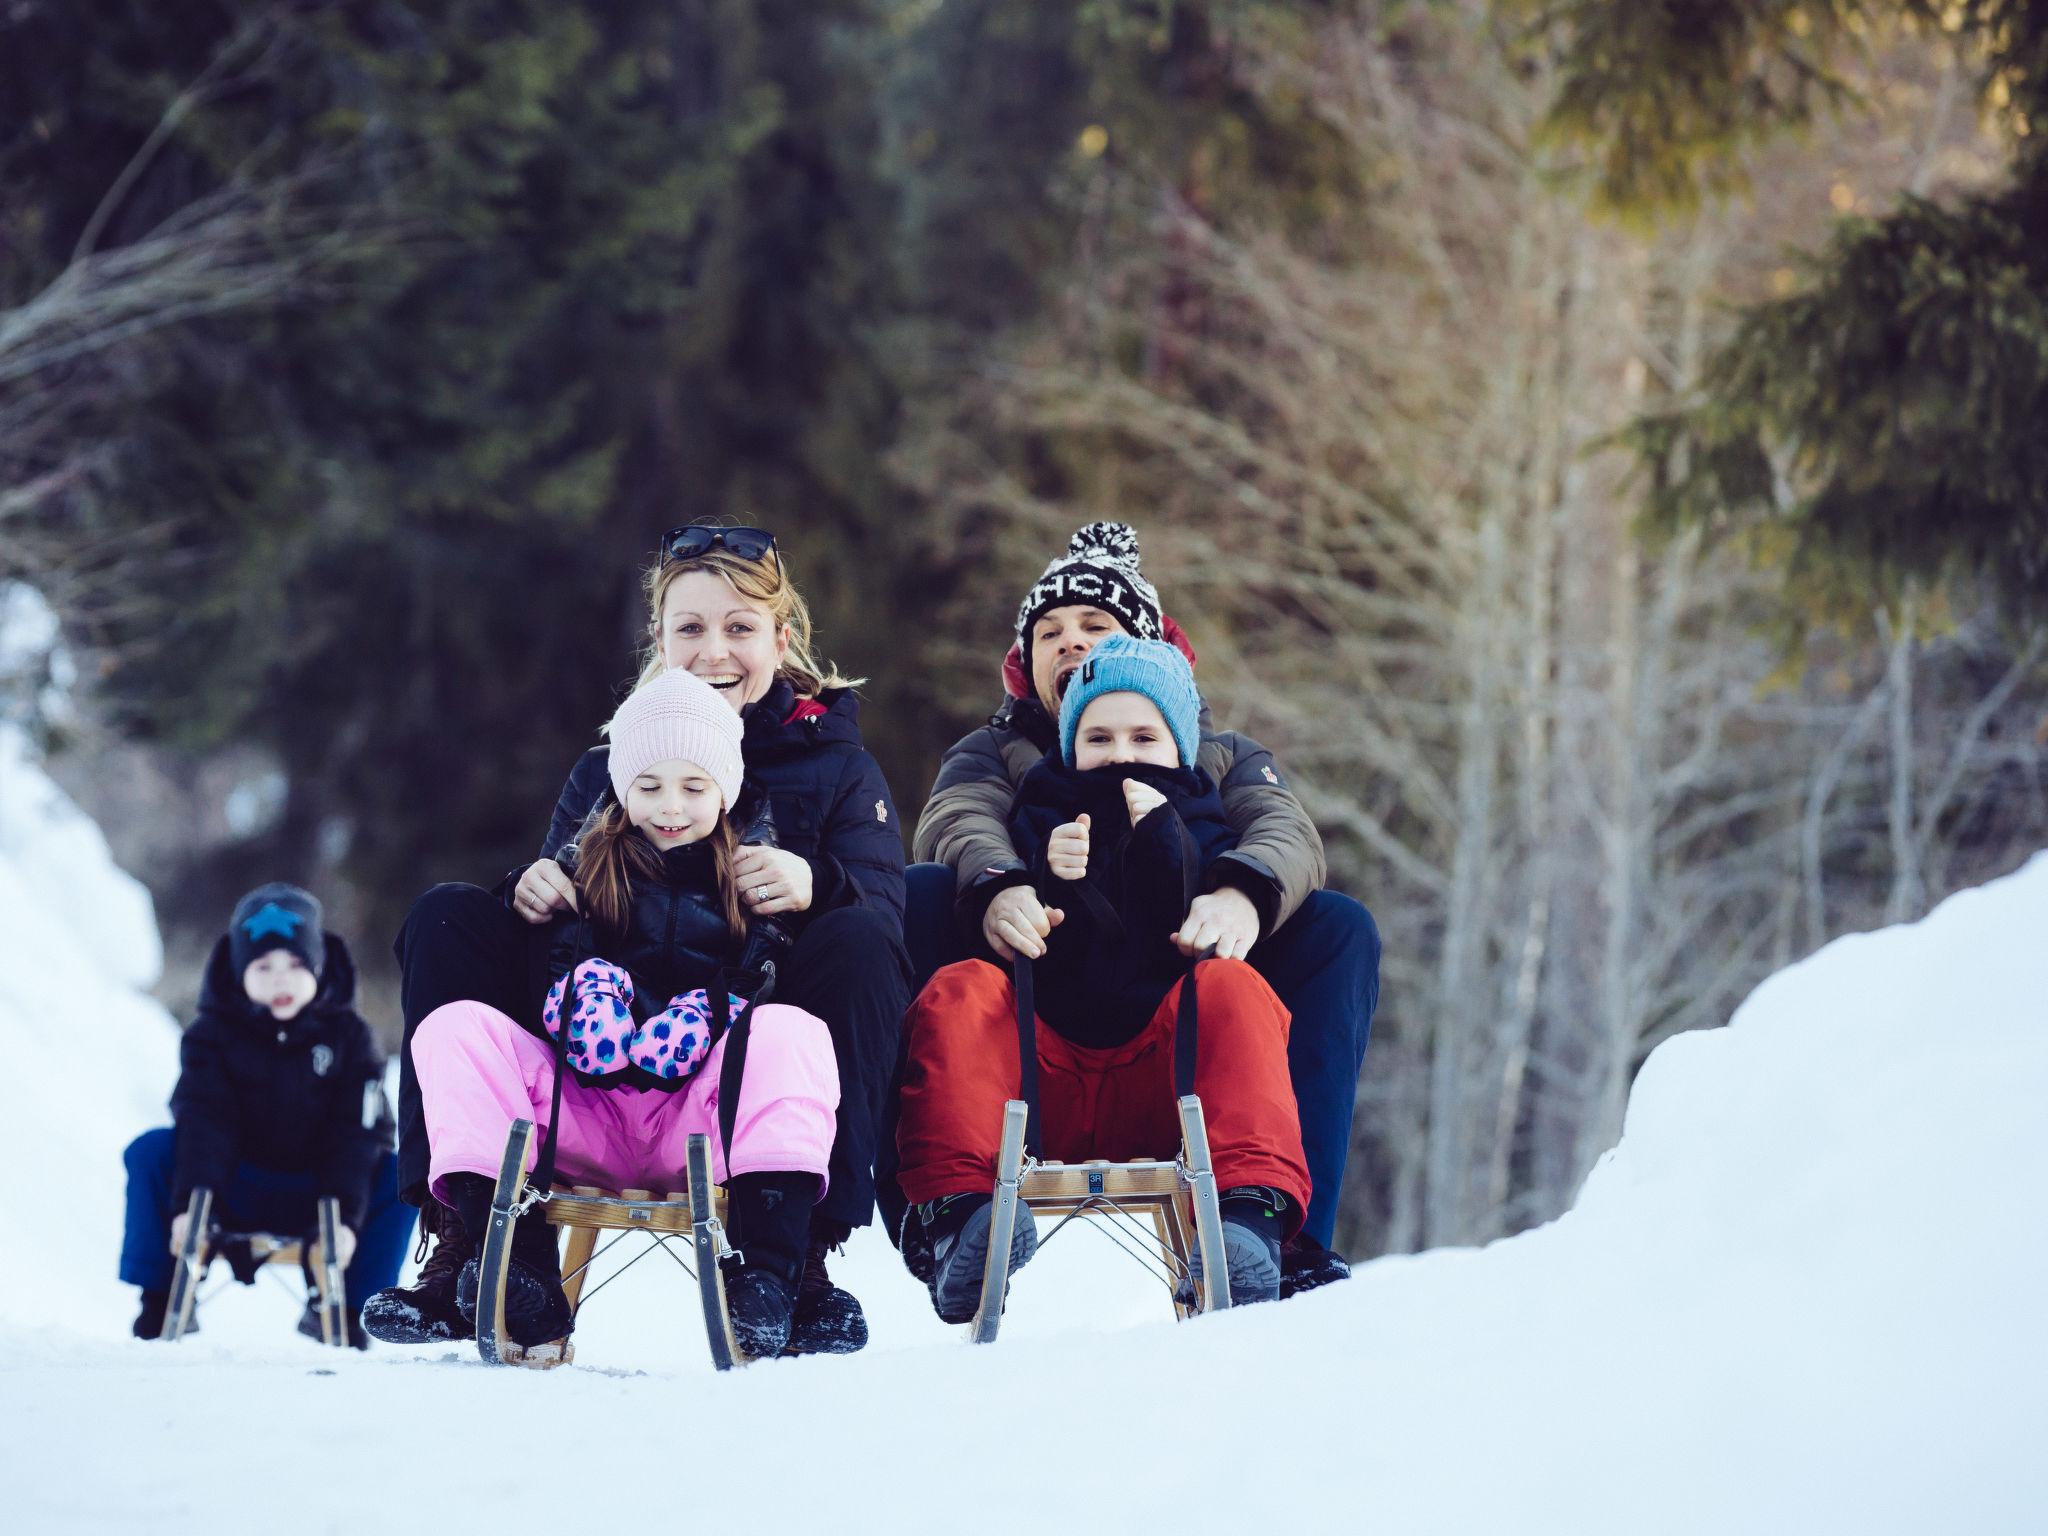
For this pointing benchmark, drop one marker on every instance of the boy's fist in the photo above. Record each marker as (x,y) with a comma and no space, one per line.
(1142,799)
(1066,852)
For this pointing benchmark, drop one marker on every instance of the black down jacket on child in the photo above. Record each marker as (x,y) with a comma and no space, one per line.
(303,1095)
(831,804)
(676,935)
(1107,966)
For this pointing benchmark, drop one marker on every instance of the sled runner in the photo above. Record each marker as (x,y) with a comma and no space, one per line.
(1179,1198)
(1162,1214)
(205,1242)
(695,1212)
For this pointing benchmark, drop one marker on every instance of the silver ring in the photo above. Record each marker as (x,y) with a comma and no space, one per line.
(760,892)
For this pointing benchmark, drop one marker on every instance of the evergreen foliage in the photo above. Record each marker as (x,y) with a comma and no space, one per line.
(1880,427)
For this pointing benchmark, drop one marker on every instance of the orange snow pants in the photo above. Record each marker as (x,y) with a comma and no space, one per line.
(1116,1103)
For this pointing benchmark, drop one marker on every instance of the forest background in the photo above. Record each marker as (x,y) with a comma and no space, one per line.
(1598,446)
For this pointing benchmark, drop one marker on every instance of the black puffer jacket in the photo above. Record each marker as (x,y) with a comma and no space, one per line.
(676,939)
(306,1095)
(1110,962)
(831,803)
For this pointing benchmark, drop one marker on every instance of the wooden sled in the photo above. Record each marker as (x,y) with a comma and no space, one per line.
(203,1242)
(1178,1197)
(697,1211)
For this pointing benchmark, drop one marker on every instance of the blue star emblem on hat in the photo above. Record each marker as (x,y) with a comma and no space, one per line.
(271,918)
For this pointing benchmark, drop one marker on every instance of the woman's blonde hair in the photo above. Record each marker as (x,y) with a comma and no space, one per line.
(764,581)
(609,859)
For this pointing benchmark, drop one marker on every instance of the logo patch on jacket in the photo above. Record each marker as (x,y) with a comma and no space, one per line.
(882,812)
(323,1059)
(1271,776)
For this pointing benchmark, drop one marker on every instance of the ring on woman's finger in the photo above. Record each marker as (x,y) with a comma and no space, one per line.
(760,893)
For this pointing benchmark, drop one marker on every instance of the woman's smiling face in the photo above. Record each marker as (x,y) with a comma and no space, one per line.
(731,643)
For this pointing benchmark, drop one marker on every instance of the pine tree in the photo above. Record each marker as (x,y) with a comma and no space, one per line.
(1879,427)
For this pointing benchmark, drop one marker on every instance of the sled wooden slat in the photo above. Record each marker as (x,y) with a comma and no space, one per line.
(1061,1186)
(627,1211)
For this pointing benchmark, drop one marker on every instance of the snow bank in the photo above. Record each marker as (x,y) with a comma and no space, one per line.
(90,1058)
(1804,1294)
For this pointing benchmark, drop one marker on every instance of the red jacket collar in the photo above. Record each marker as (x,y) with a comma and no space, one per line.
(806,709)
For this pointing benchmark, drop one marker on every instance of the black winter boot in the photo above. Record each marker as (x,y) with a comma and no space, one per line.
(536,1307)
(770,1214)
(1253,1218)
(1306,1264)
(309,1325)
(957,1228)
(828,1320)
(149,1322)
(425,1312)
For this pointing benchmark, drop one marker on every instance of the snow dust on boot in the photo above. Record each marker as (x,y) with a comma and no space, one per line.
(1306,1265)
(770,1216)
(957,1228)
(1253,1218)
(828,1320)
(425,1312)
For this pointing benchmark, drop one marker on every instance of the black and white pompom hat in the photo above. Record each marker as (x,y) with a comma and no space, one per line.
(1098,570)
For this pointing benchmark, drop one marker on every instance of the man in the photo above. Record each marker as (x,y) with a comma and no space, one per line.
(1263,901)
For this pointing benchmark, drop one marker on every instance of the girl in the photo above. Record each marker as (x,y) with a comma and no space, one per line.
(658,903)
(1122,830)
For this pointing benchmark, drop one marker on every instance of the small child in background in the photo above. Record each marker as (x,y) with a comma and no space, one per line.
(279,1102)
(1122,830)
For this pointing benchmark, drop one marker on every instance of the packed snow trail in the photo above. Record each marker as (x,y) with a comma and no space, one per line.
(1804,1294)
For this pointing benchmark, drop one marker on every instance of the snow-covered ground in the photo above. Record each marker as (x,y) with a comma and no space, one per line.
(1805,1294)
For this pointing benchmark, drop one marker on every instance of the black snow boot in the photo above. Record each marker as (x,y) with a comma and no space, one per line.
(425,1312)
(770,1215)
(957,1229)
(149,1322)
(536,1307)
(828,1320)
(309,1325)
(1306,1264)
(1253,1217)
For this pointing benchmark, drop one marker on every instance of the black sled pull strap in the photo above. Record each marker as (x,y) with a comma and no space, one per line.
(732,1070)
(1184,1035)
(544,1165)
(1027,1050)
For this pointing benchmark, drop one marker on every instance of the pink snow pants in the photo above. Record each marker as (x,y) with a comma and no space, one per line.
(479,1071)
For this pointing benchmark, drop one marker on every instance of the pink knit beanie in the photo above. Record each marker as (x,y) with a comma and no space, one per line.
(681,716)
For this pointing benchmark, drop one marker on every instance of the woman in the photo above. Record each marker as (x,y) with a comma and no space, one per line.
(720,604)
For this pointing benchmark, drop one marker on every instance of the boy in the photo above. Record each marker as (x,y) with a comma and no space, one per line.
(279,1102)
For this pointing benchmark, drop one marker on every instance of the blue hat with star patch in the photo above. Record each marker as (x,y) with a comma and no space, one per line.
(276,916)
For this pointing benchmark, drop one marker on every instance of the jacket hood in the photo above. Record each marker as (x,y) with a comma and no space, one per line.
(220,989)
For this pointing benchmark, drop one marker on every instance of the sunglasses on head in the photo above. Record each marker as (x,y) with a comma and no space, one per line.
(697,540)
